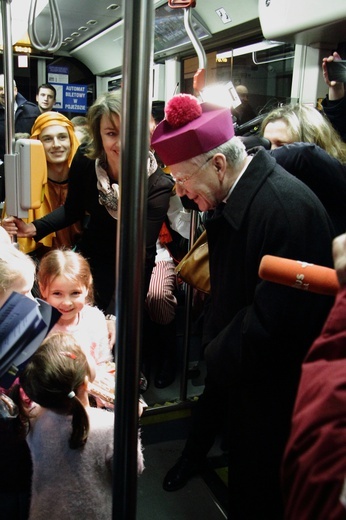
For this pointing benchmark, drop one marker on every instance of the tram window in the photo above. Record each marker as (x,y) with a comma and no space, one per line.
(170,32)
(115,83)
(266,73)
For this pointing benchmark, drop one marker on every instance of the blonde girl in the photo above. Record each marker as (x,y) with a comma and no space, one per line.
(65,282)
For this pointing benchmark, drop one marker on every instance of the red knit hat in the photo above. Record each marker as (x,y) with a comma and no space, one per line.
(191,128)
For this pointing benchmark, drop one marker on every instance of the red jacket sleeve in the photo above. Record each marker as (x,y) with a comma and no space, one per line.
(314,464)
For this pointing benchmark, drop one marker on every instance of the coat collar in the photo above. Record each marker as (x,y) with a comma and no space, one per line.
(251,181)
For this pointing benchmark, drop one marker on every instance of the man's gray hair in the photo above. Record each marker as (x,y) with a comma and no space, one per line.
(234,150)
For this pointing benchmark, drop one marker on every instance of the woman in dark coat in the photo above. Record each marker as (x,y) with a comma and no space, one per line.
(325,176)
(93,195)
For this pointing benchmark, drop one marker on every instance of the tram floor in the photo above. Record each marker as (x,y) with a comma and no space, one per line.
(204,496)
(165,427)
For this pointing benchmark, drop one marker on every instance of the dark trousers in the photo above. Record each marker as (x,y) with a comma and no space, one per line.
(208,420)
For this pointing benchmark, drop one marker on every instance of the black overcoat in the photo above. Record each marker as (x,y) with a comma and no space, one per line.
(257,332)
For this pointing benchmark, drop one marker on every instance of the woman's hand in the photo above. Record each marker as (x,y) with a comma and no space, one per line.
(17,226)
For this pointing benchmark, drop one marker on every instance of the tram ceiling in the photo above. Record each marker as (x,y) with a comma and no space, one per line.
(305,23)
(85,20)
(81,20)
(93,30)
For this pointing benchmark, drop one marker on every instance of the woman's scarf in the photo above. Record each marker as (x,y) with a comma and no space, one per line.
(109,193)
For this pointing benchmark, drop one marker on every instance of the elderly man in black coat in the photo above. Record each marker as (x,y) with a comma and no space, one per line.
(256,333)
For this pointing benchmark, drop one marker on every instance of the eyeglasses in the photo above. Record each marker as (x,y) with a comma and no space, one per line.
(181,182)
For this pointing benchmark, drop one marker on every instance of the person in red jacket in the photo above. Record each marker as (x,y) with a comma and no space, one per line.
(314,464)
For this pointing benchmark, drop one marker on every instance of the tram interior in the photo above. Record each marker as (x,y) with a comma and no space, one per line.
(227,32)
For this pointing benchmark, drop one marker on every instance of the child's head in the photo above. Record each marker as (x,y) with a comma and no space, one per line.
(54,377)
(17,272)
(4,236)
(65,281)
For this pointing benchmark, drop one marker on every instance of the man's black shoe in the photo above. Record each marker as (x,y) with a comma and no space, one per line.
(178,476)
(165,375)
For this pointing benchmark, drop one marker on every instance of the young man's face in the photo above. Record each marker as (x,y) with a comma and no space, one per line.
(56,143)
(45,99)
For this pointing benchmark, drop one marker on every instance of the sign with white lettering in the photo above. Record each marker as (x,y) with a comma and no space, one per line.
(71,98)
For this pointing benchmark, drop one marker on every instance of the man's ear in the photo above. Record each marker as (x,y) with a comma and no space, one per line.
(220,164)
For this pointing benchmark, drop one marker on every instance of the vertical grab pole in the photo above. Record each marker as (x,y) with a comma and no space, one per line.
(187,328)
(9,164)
(138,42)
(8,74)
(198,85)
(199,77)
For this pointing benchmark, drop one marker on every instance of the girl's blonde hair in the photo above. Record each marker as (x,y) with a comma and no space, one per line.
(14,265)
(307,125)
(68,263)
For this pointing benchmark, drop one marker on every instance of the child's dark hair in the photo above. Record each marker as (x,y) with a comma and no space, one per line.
(51,379)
